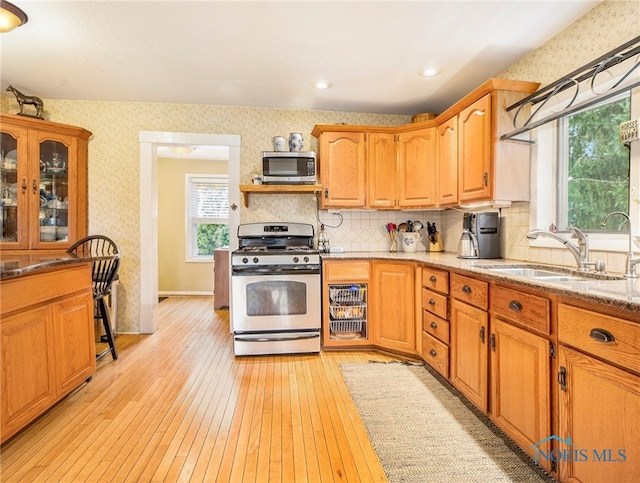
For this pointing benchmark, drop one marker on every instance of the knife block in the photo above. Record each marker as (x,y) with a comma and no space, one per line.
(437,246)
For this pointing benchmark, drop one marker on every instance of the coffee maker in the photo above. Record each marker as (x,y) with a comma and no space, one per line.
(480,236)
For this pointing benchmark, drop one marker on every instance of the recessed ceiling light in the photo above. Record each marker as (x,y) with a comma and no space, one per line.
(321,85)
(429,72)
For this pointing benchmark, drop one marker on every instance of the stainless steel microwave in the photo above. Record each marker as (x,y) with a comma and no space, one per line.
(288,167)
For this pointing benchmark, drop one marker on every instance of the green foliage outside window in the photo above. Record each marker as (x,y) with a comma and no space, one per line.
(210,237)
(598,167)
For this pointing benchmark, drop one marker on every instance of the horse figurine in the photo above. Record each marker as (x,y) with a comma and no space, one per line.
(31,100)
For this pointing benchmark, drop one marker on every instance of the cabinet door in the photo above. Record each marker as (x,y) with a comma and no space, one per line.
(474,175)
(53,187)
(74,342)
(520,385)
(447,189)
(393,307)
(468,352)
(28,379)
(600,412)
(14,173)
(383,167)
(417,168)
(342,168)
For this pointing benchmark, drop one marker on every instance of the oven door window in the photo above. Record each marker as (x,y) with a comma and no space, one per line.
(276,297)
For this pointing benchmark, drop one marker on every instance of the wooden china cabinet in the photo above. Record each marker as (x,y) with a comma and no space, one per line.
(43,183)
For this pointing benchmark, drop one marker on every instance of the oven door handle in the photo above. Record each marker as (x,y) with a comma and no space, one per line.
(275,339)
(274,270)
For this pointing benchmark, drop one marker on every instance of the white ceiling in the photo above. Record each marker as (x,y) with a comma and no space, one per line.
(269,53)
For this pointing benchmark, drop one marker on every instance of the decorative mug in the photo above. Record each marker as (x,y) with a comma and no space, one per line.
(279,143)
(410,241)
(295,141)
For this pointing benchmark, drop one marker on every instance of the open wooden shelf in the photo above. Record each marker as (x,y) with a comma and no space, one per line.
(246,189)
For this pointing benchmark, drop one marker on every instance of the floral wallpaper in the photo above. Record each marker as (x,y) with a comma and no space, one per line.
(114,155)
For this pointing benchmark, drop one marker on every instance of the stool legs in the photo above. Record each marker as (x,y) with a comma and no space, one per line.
(103,313)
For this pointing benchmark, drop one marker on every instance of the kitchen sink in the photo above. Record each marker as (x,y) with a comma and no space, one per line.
(547,273)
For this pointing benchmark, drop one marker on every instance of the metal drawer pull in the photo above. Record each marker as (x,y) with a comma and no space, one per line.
(433,353)
(602,335)
(466,289)
(515,306)
(434,325)
(432,278)
(432,302)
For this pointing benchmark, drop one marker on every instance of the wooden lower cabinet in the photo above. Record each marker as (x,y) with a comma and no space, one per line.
(468,356)
(600,414)
(392,305)
(520,385)
(48,346)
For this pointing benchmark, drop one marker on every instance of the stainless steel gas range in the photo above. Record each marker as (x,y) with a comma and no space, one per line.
(275,277)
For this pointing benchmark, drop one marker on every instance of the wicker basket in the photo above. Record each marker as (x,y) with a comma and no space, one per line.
(425,116)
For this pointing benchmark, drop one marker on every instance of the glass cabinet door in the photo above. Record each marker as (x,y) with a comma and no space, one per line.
(53,192)
(13,188)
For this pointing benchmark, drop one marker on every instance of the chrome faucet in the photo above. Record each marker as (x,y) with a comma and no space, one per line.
(580,251)
(632,260)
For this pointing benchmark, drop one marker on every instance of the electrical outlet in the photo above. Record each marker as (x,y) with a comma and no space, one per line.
(629,131)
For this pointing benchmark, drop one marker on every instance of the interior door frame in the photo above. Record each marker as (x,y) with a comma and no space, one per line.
(149,142)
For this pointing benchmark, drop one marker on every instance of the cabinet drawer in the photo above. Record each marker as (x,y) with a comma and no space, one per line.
(589,331)
(528,310)
(436,354)
(346,271)
(436,326)
(469,290)
(434,303)
(437,280)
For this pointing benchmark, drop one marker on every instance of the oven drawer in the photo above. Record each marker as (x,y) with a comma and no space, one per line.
(276,343)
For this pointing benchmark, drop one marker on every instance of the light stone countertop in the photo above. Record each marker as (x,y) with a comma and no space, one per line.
(622,294)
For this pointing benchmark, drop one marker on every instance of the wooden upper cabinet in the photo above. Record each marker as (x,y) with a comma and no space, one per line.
(417,168)
(447,172)
(475,173)
(382,168)
(342,169)
(44,182)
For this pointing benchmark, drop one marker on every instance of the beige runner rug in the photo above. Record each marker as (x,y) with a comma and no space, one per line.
(423,432)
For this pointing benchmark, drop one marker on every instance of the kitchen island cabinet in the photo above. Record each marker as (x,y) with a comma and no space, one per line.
(47,341)
(44,183)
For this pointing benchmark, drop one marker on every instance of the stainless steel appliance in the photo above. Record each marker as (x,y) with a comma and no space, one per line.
(276,293)
(480,236)
(289,167)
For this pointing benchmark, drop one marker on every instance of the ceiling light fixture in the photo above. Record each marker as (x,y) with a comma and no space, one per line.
(11,17)
(321,85)
(429,72)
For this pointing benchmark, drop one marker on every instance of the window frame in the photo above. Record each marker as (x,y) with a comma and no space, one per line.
(545,187)
(191,222)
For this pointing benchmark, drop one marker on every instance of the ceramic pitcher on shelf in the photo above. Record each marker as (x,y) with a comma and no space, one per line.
(295,141)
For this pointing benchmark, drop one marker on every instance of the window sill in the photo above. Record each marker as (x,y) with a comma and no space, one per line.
(604,243)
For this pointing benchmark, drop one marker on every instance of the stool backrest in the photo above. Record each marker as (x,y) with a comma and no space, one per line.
(105,261)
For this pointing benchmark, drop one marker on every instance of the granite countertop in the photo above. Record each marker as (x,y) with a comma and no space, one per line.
(14,265)
(621,293)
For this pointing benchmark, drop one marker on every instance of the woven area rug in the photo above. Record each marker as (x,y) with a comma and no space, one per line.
(423,432)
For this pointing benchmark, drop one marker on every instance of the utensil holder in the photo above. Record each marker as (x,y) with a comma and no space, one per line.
(394,243)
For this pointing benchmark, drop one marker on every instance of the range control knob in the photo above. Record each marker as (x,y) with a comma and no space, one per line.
(296,259)
(306,259)
(255,259)
(245,260)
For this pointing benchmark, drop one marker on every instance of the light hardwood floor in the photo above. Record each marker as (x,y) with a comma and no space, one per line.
(178,406)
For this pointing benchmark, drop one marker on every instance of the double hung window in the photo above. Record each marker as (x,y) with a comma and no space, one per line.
(207,215)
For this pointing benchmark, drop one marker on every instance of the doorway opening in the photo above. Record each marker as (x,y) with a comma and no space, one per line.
(150,143)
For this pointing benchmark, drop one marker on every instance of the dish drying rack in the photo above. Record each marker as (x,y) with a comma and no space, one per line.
(348,310)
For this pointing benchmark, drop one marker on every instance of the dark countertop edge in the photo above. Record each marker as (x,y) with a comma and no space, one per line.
(621,294)
(60,261)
